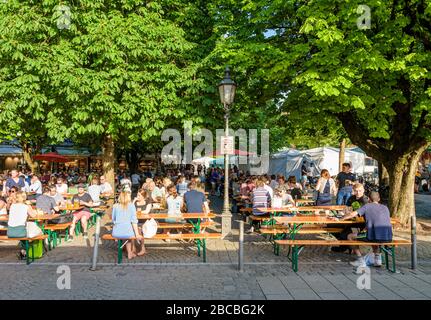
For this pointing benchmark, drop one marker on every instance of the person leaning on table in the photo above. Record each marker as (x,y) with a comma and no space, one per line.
(379,229)
(46,202)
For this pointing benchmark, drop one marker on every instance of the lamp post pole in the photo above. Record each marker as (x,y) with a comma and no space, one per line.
(227,93)
(226,214)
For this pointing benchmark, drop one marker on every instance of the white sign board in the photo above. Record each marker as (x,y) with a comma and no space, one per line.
(227,144)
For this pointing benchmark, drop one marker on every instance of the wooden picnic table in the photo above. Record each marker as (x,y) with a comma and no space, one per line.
(196,226)
(303,201)
(159,216)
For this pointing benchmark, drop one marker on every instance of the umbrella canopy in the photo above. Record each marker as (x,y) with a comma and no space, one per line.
(51,157)
(237,152)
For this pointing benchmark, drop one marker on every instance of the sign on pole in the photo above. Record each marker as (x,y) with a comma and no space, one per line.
(227,144)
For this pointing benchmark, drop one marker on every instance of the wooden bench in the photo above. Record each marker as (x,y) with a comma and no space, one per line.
(167,225)
(388,248)
(285,230)
(199,237)
(53,231)
(28,243)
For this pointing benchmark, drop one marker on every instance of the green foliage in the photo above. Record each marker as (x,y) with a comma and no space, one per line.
(317,64)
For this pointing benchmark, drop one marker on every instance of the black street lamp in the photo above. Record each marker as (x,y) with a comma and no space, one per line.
(227,94)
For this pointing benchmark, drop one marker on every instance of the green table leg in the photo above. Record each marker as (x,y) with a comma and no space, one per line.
(27,252)
(295,258)
(120,251)
(204,249)
(198,244)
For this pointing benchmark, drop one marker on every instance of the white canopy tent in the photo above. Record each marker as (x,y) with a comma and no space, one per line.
(289,163)
(205,161)
(328,157)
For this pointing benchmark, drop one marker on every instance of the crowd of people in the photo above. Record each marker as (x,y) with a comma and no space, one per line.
(178,191)
(23,194)
(176,194)
(261,192)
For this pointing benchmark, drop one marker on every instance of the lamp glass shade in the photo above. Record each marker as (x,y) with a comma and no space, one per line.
(227,89)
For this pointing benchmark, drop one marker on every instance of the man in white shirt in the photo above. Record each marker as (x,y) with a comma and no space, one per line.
(61,186)
(105,187)
(36,185)
(94,190)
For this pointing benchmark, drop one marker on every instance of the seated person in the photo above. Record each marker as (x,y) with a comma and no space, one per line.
(143,202)
(106,189)
(36,187)
(126,224)
(94,191)
(378,228)
(3,210)
(174,202)
(282,199)
(3,204)
(358,195)
(195,201)
(61,186)
(46,202)
(84,199)
(261,199)
(59,200)
(18,215)
(11,197)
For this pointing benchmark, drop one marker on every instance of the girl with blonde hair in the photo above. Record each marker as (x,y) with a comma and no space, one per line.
(126,224)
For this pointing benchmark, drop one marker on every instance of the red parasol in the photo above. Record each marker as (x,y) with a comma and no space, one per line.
(51,157)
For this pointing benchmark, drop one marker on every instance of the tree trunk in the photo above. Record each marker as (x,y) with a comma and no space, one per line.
(133,165)
(401,180)
(27,153)
(383,175)
(341,154)
(108,158)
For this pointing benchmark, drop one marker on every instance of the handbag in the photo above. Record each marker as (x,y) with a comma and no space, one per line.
(149,228)
(33,230)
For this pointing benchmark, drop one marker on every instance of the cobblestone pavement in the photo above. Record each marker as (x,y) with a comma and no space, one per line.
(207,282)
(322,273)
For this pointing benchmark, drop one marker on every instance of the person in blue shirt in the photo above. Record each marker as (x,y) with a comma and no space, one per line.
(378,228)
(15,181)
(126,224)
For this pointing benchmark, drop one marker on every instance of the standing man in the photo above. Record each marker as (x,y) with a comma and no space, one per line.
(304,175)
(136,182)
(345,180)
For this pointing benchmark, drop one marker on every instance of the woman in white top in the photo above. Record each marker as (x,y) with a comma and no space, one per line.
(326,188)
(18,214)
